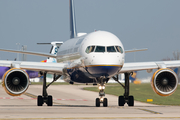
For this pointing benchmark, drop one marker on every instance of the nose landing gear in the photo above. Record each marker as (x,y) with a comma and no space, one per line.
(101,99)
(122,99)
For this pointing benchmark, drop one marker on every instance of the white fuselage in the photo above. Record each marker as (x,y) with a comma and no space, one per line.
(98,54)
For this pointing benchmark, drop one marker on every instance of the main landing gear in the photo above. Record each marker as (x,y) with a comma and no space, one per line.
(126,98)
(45,98)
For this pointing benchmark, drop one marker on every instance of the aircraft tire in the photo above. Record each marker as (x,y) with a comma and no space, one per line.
(131,101)
(97,102)
(121,101)
(39,101)
(105,102)
(50,100)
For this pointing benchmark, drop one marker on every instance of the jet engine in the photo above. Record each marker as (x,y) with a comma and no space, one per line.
(15,81)
(164,82)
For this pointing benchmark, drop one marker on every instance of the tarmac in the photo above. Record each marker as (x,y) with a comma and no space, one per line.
(74,103)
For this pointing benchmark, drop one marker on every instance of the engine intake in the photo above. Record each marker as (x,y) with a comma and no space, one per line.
(15,81)
(164,82)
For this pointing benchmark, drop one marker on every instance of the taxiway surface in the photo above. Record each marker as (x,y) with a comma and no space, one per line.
(72,102)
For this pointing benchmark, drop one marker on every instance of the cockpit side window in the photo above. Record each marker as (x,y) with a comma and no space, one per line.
(100,49)
(119,49)
(90,49)
(111,49)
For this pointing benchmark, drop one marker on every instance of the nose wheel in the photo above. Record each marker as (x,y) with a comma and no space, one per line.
(104,101)
(97,102)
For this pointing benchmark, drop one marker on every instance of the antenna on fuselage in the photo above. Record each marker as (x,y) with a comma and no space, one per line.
(73,32)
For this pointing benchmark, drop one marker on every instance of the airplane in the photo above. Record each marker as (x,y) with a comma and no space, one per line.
(89,58)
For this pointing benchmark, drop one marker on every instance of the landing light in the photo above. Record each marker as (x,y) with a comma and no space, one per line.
(101,87)
(101,99)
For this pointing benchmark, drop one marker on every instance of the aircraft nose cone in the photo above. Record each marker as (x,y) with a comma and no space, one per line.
(104,64)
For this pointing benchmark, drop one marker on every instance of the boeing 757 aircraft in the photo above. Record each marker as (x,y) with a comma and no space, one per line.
(89,58)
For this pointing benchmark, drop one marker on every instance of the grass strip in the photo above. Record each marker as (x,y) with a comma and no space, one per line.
(142,92)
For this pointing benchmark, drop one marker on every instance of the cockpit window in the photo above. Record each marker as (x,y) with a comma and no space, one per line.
(111,49)
(100,49)
(87,49)
(90,49)
(119,49)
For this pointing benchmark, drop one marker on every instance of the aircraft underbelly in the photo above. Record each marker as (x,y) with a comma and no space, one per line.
(99,71)
(88,74)
(80,76)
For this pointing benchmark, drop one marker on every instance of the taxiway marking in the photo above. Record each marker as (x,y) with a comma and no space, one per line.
(149,111)
(35,97)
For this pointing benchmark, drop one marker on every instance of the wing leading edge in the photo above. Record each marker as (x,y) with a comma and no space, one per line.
(135,50)
(137,66)
(35,66)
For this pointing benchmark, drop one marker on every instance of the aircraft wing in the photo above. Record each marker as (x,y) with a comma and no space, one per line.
(30,53)
(35,66)
(135,50)
(137,66)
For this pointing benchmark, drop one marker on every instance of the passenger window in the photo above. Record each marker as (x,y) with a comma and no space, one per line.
(119,49)
(111,49)
(100,49)
(90,49)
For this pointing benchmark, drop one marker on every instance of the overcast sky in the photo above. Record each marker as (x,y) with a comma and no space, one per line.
(152,24)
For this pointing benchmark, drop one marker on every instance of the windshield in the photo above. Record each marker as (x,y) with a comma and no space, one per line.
(111,49)
(100,49)
(90,49)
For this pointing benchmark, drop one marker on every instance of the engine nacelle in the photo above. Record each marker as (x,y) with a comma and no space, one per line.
(15,81)
(164,82)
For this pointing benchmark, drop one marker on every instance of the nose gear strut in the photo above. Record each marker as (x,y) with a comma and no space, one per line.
(101,98)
